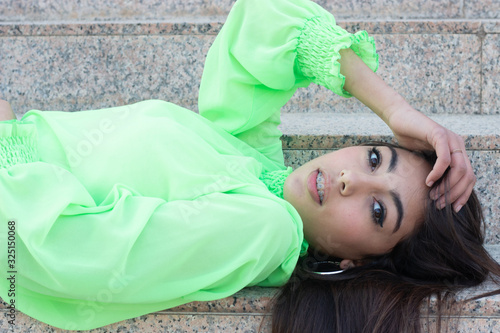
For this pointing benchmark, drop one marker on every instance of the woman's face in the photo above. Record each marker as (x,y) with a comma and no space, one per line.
(369,199)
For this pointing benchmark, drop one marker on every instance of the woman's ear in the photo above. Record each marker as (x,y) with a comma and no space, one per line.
(348,263)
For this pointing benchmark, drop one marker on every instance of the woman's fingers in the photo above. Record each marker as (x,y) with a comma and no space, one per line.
(462,200)
(454,182)
(460,179)
(458,195)
(440,144)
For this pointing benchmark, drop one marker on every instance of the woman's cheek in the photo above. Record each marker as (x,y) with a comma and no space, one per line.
(350,223)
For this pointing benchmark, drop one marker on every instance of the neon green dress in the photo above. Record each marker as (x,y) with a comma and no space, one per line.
(125,211)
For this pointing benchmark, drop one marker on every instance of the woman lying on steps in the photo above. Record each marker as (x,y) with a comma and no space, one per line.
(129,210)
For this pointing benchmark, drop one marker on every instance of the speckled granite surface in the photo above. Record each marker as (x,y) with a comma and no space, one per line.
(206,323)
(437,73)
(91,10)
(79,73)
(482,8)
(491,74)
(491,26)
(105,10)
(486,166)
(203,323)
(114,29)
(156,323)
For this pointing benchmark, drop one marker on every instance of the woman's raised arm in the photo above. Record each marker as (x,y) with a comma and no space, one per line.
(412,129)
(264,52)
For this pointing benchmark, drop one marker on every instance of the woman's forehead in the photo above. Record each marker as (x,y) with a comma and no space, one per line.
(411,164)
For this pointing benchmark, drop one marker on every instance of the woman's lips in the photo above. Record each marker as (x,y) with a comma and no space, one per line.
(311,186)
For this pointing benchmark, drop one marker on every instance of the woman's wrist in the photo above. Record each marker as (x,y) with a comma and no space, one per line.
(397,110)
(369,88)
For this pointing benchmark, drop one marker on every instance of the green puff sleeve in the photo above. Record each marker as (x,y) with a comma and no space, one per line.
(264,52)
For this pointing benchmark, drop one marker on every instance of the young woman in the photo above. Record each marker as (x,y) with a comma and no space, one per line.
(129,210)
(440,256)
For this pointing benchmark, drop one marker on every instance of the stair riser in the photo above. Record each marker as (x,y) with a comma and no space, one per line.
(436,73)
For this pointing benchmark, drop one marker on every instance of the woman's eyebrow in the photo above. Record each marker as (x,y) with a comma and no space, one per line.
(399,207)
(394,160)
(395,195)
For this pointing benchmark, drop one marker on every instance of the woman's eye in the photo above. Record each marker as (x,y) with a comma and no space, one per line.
(378,213)
(373,158)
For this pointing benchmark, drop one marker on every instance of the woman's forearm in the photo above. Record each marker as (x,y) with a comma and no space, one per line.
(6,112)
(369,88)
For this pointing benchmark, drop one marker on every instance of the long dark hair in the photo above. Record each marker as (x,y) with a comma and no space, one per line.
(386,293)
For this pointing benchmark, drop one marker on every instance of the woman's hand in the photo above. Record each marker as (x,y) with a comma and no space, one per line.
(414,130)
(6,111)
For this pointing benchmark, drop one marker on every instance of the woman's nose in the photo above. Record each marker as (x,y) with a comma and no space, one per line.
(351,182)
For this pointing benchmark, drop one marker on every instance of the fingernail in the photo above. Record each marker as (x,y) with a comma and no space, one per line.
(434,195)
(458,208)
(429,184)
(442,205)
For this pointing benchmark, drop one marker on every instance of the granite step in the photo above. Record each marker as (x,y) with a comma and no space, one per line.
(249,311)
(305,137)
(105,10)
(441,55)
(439,66)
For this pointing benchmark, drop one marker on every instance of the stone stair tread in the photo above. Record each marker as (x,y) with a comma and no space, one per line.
(131,27)
(329,130)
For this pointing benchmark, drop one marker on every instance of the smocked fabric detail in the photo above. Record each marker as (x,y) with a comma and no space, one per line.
(16,150)
(318,49)
(18,143)
(275,180)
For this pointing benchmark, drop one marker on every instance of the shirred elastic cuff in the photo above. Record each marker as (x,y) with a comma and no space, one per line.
(17,143)
(318,51)
(275,180)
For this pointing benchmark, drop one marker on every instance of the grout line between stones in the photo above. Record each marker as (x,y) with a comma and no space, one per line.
(481,35)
